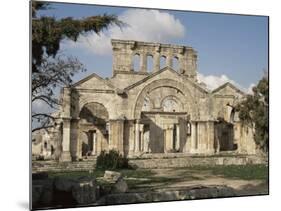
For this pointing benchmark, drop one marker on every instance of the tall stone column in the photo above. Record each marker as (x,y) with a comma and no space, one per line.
(211,137)
(137,136)
(116,140)
(193,137)
(143,63)
(94,143)
(141,138)
(74,140)
(169,139)
(131,137)
(156,62)
(181,64)
(65,155)
(169,61)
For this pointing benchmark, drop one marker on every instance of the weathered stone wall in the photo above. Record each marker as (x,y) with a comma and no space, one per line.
(179,162)
(149,111)
(155,161)
(124,52)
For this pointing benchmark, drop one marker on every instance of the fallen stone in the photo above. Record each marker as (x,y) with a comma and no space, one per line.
(84,190)
(47,193)
(42,192)
(36,194)
(63,184)
(120,186)
(112,176)
(199,192)
(39,176)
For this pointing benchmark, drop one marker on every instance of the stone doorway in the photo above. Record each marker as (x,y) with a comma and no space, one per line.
(89,143)
(224,136)
(162,132)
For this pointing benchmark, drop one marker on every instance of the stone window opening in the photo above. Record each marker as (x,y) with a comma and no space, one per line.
(52,149)
(174,137)
(163,62)
(136,63)
(149,61)
(45,145)
(175,64)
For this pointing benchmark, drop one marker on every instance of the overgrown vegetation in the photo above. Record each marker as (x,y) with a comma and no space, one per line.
(254,111)
(112,160)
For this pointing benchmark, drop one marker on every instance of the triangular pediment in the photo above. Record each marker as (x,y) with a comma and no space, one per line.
(93,81)
(227,89)
(166,73)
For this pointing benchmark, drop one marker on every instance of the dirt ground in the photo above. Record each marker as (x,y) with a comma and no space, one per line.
(183,178)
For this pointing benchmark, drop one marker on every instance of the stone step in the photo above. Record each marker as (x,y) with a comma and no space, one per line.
(146,163)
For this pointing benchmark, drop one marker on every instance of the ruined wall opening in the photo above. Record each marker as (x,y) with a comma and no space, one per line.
(176,65)
(93,128)
(174,137)
(136,62)
(162,62)
(224,136)
(149,65)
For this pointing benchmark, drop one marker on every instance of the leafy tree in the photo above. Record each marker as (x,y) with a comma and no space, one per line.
(50,69)
(254,112)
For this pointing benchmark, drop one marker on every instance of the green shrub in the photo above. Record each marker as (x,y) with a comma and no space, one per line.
(111,160)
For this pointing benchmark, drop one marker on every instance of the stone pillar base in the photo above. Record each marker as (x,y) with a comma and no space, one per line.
(65,157)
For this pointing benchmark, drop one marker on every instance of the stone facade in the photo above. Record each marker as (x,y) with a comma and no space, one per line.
(165,110)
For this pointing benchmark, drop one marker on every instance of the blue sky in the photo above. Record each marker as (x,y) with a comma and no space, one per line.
(230,47)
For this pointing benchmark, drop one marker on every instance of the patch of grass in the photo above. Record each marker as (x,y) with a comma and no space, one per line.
(246,172)
(76,174)
(136,173)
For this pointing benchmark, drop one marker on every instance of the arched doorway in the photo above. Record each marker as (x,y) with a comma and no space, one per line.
(93,130)
(162,110)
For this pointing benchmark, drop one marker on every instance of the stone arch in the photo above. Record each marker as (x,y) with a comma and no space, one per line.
(180,105)
(84,100)
(188,101)
(94,110)
(92,127)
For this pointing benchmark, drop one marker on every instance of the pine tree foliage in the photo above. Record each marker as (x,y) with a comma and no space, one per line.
(254,111)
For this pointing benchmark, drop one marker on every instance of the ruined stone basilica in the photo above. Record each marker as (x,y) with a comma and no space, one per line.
(143,112)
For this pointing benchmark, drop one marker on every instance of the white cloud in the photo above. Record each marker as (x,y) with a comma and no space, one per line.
(213,82)
(141,24)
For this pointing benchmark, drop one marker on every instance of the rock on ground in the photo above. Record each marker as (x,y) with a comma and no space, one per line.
(120,186)
(84,190)
(112,176)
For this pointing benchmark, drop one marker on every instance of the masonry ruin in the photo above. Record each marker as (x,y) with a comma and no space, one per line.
(152,104)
